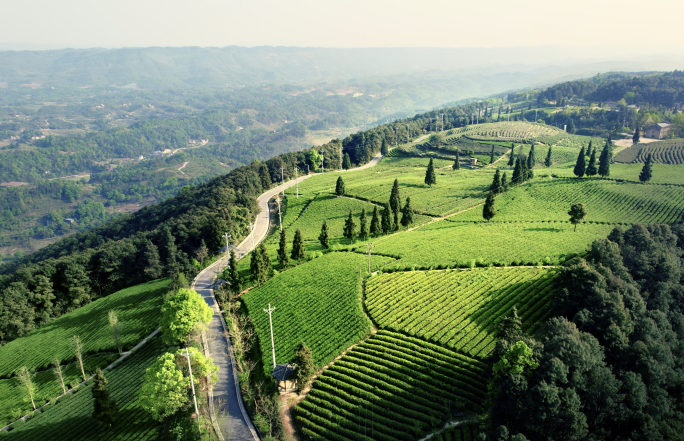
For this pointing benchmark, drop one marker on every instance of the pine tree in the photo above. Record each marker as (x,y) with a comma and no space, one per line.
(496,183)
(591,168)
(581,164)
(233,275)
(265,262)
(604,161)
(407,214)
(532,159)
(637,136)
(346,162)
(255,266)
(511,159)
(488,211)
(264,176)
(105,409)
(518,176)
(526,173)
(395,203)
(375,226)
(303,359)
(386,223)
(339,187)
(172,266)
(547,161)
(504,182)
(430,176)
(457,162)
(363,225)
(384,148)
(590,148)
(324,237)
(350,227)
(282,250)
(646,172)
(491,156)
(153,268)
(298,249)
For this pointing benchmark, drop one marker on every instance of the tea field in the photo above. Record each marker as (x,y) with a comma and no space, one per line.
(663,152)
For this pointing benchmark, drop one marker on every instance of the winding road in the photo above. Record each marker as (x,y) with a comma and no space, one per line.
(233,418)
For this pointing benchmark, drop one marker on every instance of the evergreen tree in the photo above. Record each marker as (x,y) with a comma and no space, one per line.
(363,225)
(386,223)
(375,226)
(571,127)
(265,263)
(233,275)
(581,164)
(590,148)
(547,161)
(496,183)
(282,250)
(532,159)
(303,359)
(577,213)
(457,162)
(339,187)
(430,176)
(591,168)
(526,173)
(604,161)
(504,182)
(518,176)
(153,268)
(202,252)
(172,266)
(350,227)
(298,249)
(488,211)
(105,409)
(637,136)
(346,162)
(384,149)
(324,237)
(264,176)
(491,156)
(407,214)
(511,159)
(646,172)
(256,266)
(395,202)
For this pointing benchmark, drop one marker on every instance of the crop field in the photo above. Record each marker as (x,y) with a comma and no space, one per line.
(459,309)
(318,303)
(138,311)
(71,417)
(663,152)
(516,131)
(465,244)
(461,432)
(605,200)
(662,173)
(390,387)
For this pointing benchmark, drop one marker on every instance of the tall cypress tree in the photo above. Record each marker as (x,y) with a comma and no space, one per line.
(637,135)
(488,211)
(324,237)
(504,182)
(604,161)
(430,176)
(496,183)
(233,275)
(581,164)
(363,225)
(547,161)
(375,226)
(532,159)
(383,148)
(457,162)
(282,250)
(386,223)
(298,249)
(491,156)
(153,268)
(518,172)
(591,168)
(646,172)
(346,162)
(395,199)
(511,159)
(172,266)
(525,173)
(105,409)
(339,186)
(407,213)
(265,262)
(590,149)
(350,227)
(256,267)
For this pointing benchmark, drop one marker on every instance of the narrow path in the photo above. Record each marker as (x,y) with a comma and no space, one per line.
(180,169)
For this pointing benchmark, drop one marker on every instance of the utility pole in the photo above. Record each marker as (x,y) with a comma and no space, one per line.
(307,169)
(370,250)
(442,122)
(282,180)
(251,233)
(192,383)
(535,115)
(280,219)
(407,134)
(297,181)
(227,237)
(270,322)
(322,162)
(340,157)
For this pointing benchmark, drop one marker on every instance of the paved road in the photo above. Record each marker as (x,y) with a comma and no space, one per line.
(237,425)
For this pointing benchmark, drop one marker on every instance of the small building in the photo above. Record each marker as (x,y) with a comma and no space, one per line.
(473,161)
(69,220)
(657,131)
(282,374)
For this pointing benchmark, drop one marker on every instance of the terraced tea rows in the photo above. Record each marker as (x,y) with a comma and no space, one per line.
(459,309)
(71,418)
(390,387)
(508,131)
(318,303)
(663,152)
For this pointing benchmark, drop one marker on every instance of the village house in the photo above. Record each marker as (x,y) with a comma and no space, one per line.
(657,131)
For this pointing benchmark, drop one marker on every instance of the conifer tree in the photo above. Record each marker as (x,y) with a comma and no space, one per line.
(386,223)
(153,268)
(346,162)
(384,148)
(504,182)
(511,159)
(488,211)
(282,250)
(105,409)
(518,176)
(590,148)
(303,359)
(526,173)
(375,226)
(363,225)
(172,267)
(637,136)
(395,202)
(532,159)
(547,161)
(255,266)
(350,227)
(604,160)
(491,156)
(339,187)
(233,275)
(324,237)
(646,172)
(496,183)
(298,249)
(581,164)
(430,176)
(407,213)
(591,168)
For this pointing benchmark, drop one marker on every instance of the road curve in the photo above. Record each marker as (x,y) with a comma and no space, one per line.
(237,424)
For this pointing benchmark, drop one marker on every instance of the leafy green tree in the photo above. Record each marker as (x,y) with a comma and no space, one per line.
(298,248)
(647,171)
(518,360)
(165,389)
(488,211)
(105,410)
(407,213)
(303,359)
(637,136)
(430,176)
(436,139)
(350,227)
(386,222)
(315,158)
(282,249)
(264,176)
(346,162)
(375,226)
(384,149)
(233,274)
(204,371)
(591,168)
(153,268)
(577,213)
(181,313)
(531,159)
(363,225)
(496,183)
(202,252)
(117,329)
(605,159)
(339,187)
(25,378)
(547,161)
(581,164)
(511,158)
(324,237)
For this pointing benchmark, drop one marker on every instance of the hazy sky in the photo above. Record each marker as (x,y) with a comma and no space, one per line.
(355,23)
